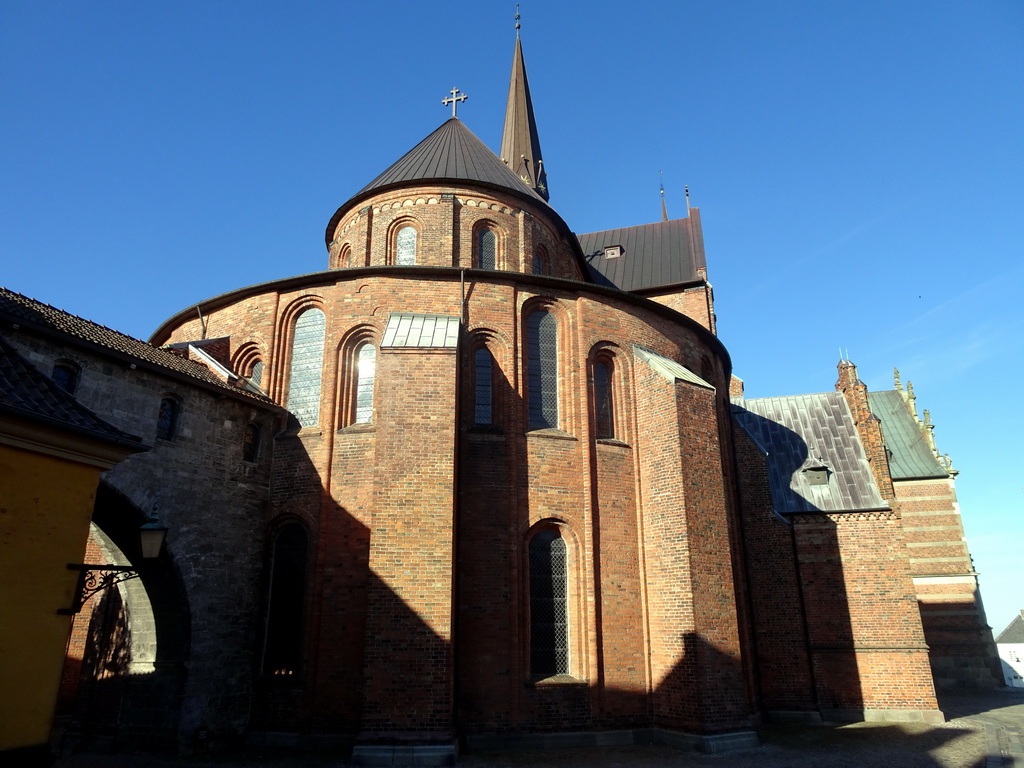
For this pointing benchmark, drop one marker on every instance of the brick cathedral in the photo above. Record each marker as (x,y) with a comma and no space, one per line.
(484,482)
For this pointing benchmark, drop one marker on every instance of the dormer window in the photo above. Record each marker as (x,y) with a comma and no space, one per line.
(816,475)
(613,251)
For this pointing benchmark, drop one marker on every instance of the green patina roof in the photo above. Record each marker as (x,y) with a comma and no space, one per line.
(910,455)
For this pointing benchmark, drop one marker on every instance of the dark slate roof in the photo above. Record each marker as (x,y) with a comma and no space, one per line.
(520,142)
(1014,632)
(659,254)
(27,393)
(451,153)
(910,456)
(22,311)
(807,431)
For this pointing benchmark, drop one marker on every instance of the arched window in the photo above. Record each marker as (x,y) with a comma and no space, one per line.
(307,367)
(549,604)
(65,376)
(344,256)
(366,369)
(486,249)
(282,653)
(256,375)
(542,369)
(167,419)
(604,412)
(251,443)
(540,260)
(483,387)
(405,246)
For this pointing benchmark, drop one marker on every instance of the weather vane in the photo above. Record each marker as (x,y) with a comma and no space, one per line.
(454,100)
(517,19)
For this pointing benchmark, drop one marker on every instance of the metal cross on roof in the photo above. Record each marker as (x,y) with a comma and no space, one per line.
(454,100)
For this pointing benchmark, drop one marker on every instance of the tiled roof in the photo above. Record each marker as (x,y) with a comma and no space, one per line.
(1014,632)
(910,456)
(451,153)
(805,432)
(22,311)
(29,394)
(410,330)
(663,253)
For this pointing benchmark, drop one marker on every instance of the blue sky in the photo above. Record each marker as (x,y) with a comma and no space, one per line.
(859,169)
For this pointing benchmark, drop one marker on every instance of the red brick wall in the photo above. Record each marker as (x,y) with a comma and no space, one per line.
(865,635)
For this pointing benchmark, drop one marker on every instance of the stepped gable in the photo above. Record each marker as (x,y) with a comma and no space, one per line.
(21,310)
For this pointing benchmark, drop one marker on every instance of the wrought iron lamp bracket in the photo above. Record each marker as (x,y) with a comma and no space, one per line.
(93,578)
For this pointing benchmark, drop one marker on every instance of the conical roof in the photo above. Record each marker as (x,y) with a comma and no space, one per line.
(451,153)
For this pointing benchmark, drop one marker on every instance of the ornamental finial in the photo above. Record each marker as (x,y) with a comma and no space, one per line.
(454,100)
(517,19)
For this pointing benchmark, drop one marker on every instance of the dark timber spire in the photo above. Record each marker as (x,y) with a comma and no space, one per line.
(520,146)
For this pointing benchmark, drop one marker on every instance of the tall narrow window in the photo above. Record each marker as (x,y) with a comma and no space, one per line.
(307,367)
(549,614)
(540,258)
(603,411)
(483,387)
(256,377)
(65,376)
(167,419)
(486,249)
(542,365)
(366,369)
(405,246)
(283,650)
(251,441)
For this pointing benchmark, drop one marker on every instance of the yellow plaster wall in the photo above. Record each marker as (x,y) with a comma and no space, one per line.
(45,507)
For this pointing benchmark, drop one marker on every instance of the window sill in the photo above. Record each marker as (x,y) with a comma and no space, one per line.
(612,441)
(555,680)
(551,434)
(363,426)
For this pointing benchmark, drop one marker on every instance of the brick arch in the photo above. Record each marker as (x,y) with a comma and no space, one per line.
(397,226)
(575,619)
(565,367)
(616,419)
(500,387)
(285,337)
(347,369)
(500,243)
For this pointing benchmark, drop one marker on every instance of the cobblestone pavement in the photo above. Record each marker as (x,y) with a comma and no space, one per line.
(983,731)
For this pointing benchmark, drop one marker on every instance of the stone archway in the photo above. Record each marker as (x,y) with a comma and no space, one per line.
(125,665)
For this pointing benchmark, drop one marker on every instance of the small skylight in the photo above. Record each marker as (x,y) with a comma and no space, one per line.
(613,251)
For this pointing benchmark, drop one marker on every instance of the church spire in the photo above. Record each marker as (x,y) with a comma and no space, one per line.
(520,146)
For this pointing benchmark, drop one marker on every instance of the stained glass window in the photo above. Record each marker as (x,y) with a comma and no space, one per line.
(486,249)
(366,365)
(483,372)
(549,626)
(307,367)
(256,377)
(406,246)
(283,651)
(542,366)
(603,399)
